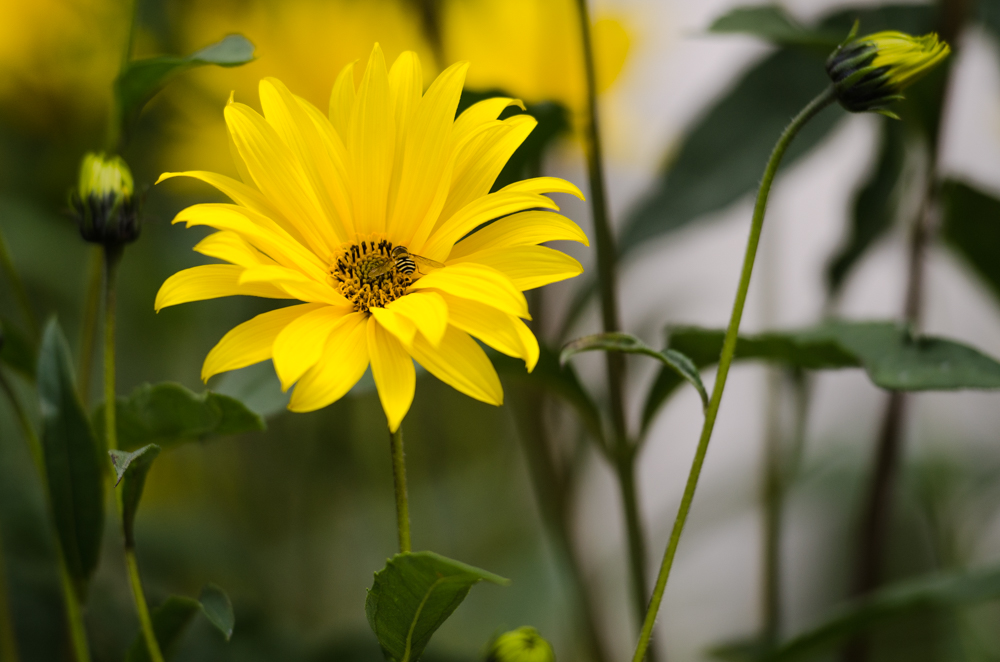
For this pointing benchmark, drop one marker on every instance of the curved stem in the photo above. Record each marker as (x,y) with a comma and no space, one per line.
(72,603)
(112,258)
(725,360)
(7,262)
(88,326)
(399,480)
(8,638)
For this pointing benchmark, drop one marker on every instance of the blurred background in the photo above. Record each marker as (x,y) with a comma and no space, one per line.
(293,521)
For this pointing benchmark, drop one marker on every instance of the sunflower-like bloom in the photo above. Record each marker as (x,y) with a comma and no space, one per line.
(372,217)
(871,72)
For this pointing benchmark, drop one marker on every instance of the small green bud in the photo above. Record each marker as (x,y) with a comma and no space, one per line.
(103,201)
(521,645)
(870,72)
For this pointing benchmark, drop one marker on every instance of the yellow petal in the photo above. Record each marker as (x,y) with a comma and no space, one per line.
(342,101)
(290,121)
(540,185)
(251,342)
(527,267)
(525,229)
(504,333)
(477,282)
(294,283)
(230,247)
(426,310)
(211,282)
(406,84)
(402,327)
(299,346)
(476,213)
(459,362)
(238,192)
(480,162)
(344,360)
(339,181)
(392,369)
(371,144)
(427,152)
(278,175)
(259,231)
(482,112)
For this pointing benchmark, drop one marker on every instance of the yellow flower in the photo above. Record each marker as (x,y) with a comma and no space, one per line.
(871,72)
(521,645)
(531,48)
(370,217)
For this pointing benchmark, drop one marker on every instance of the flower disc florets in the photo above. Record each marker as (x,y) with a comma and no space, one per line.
(103,202)
(871,72)
(366,275)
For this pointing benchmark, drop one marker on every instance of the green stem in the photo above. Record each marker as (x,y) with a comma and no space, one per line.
(72,603)
(607,267)
(112,258)
(399,479)
(725,360)
(8,638)
(135,582)
(7,262)
(88,327)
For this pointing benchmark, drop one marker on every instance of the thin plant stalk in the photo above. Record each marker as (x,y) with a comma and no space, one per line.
(623,450)
(21,294)
(112,258)
(88,326)
(71,600)
(8,637)
(399,481)
(725,360)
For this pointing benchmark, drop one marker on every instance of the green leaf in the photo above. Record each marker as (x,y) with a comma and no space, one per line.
(72,462)
(723,154)
(132,468)
(972,228)
(623,342)
(893,357)
(168,414)
(772,23)
(218,609)
(875,204)
(944,591)
(413,595)
(140,80)
(17,350)
(170,620)
(560,380)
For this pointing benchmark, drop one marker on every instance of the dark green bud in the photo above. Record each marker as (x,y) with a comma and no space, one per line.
(104,203)
(521,645)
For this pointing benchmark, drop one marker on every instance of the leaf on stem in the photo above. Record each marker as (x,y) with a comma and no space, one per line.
(172,618)
(140,80)
(629,344)
(72,460)
(168,414)
(131,469)
(971,228)
(16,350)
(772,23)
(413,595)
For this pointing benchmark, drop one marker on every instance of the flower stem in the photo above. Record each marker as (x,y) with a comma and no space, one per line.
(8,639)
(88,326)
(607,267)
(399,479)
(18,286)
(725,360)
(112,258)
(74,609)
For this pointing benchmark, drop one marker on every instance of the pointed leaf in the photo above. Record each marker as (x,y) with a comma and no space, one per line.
(140,80)
(168,414)
(972,229)
(72,462)
(170,620)
(17,350)
(218,609)
(772,23)
(413,595)
(623,342)
(132,469)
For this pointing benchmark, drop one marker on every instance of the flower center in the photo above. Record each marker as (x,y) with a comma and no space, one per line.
(368,274)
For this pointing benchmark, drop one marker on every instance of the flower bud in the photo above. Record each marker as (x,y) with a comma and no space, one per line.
(869,73)
(103,202)
(521,645)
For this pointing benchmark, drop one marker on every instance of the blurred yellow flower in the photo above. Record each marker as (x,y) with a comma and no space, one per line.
(531,48)
(366,216)
(58,59)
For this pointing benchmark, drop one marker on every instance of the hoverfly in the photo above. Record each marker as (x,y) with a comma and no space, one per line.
(402,260)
